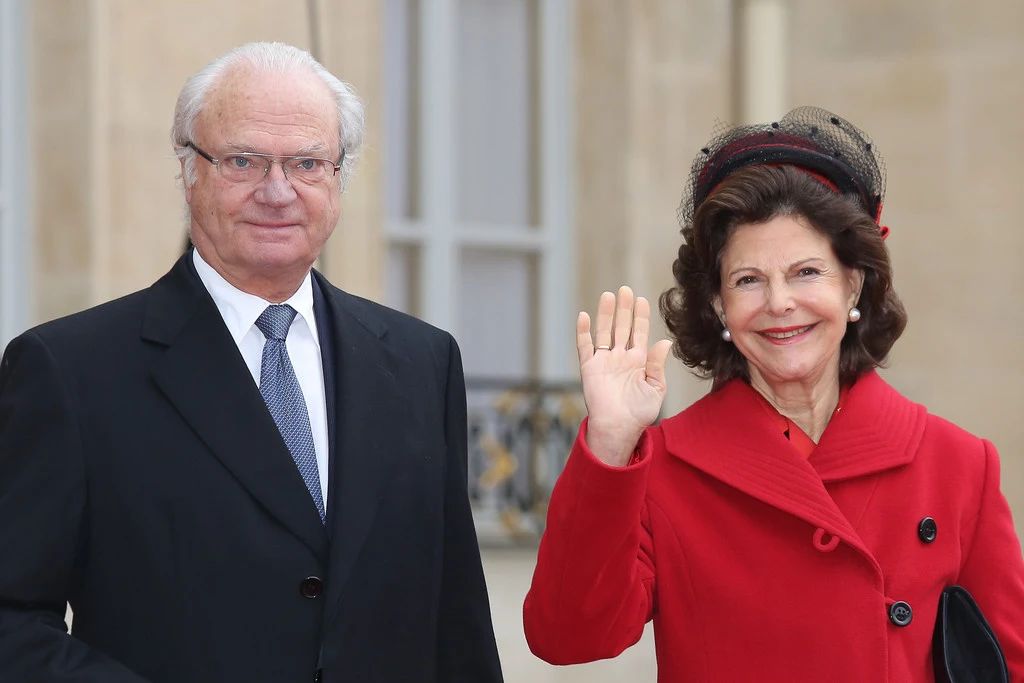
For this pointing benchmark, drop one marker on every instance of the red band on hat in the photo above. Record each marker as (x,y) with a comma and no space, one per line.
(883,230)
(817,176)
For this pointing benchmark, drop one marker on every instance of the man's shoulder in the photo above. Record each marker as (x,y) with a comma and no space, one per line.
(383,319)
(95,324)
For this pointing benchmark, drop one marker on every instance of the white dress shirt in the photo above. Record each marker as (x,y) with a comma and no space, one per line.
(240,311)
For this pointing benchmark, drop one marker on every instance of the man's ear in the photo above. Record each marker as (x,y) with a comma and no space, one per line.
(184,182)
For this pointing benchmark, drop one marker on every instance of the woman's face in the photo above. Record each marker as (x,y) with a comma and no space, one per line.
(786,298)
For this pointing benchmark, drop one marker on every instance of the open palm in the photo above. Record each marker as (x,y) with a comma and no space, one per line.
(623,383)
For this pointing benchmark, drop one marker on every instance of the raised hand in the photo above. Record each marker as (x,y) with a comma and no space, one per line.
(623,382)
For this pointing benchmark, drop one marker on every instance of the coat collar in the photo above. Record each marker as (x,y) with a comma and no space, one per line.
(729,436)
(878,429)
(205,378)
(203,375)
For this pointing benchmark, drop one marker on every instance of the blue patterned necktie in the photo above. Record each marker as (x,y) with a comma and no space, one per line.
(283,395)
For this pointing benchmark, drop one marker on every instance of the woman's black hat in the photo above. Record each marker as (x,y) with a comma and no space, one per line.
(813,139)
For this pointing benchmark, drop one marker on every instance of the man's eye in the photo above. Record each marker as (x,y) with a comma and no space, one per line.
(307,164)
(240,162)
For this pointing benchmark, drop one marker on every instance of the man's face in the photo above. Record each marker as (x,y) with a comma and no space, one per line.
(272,230)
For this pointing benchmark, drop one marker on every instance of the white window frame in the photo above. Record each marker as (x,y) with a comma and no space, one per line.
(439,235)
(15,231)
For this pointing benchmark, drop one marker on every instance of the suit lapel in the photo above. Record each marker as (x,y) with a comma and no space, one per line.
(370,404)
(328,346)
(205,379)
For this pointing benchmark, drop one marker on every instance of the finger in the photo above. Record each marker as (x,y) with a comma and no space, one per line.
(656,358)
(605,314)
(623,317)
(584,345)
(641,323)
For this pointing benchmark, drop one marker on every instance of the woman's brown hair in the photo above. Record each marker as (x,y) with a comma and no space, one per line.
(757,194)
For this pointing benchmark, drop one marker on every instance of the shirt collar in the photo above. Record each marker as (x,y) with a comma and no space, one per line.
(241,309)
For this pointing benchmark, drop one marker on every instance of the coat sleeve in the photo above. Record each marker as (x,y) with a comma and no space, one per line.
(42,508)
(593,588)
(466,649)
(993,569)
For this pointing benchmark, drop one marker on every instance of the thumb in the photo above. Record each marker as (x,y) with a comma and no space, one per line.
(656,358)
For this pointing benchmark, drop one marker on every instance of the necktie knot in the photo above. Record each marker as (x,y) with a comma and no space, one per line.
(275,321)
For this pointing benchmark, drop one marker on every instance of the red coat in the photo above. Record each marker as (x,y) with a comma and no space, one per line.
(757,564)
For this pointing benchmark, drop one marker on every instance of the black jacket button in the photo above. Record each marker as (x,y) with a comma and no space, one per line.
(900,613)
(927,529)
(311,587)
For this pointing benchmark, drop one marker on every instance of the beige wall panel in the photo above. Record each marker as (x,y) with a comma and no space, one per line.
(652,78)
(938,87)
(603,146)
(60,146)
(351,39)
(989,24)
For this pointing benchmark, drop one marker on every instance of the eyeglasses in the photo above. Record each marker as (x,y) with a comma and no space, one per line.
(250,167)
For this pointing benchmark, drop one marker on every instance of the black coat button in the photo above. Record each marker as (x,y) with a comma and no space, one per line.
(900,613)
(927,529)
(311,587)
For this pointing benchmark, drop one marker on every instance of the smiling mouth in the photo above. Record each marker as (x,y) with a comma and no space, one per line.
(786,334)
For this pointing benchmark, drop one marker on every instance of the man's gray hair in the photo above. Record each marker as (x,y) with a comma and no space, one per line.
(277,58)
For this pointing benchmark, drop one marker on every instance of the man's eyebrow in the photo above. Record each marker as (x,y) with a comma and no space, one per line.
(240,147)
(312,149)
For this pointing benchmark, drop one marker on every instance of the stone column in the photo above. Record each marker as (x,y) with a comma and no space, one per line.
(351,34)
(651,79)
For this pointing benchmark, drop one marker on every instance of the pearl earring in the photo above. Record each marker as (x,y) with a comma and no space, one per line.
(726,335)
(854,314)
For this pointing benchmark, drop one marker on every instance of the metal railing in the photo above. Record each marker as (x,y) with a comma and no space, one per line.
(520,434)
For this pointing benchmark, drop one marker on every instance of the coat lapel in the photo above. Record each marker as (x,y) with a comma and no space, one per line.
(730,436)
(371,405)
(328,344)
(204,377)
(877,430)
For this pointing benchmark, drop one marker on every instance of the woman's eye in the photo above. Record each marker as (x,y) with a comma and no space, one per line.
(746,280)
(806,272)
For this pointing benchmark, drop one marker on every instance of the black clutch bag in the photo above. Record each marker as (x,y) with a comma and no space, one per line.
(964,648)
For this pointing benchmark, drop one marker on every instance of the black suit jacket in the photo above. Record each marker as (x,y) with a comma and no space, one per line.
(143,480)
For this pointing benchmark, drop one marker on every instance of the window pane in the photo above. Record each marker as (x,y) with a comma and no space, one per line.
(495,124)
(497,331)
(403,278)
(401,96)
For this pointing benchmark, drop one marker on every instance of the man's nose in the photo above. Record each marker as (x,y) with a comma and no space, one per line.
(276,189)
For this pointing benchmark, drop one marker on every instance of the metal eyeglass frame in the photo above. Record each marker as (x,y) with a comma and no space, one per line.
(269,157)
